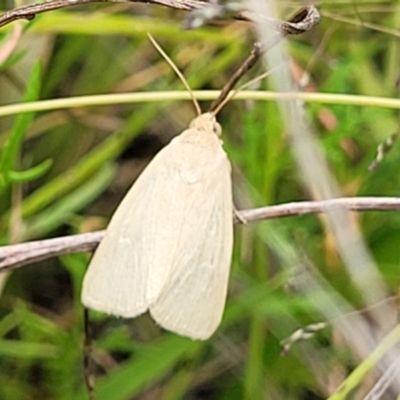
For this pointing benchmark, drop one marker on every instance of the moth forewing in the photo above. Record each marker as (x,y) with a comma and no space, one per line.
(193,298)
(168,246)
(118,276)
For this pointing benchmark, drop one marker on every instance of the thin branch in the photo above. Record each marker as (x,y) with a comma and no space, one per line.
(249,63)
(25,253)
(30,11)
(303,21)
(17,255)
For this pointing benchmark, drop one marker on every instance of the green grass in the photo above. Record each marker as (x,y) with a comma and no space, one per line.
(86,101)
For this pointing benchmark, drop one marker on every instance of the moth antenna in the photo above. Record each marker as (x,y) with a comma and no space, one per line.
(179,73)
(231,95)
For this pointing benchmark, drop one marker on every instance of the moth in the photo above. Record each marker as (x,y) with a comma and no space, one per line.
(168,247)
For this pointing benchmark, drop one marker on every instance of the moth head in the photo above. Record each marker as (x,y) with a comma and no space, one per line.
(206,123)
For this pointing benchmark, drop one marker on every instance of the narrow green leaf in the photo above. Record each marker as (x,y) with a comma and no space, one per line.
(152,364)
(347,387)
(32,173)
(59,213)
(12,60)
(14,348)
(7,323)
(22,122)
(85,168)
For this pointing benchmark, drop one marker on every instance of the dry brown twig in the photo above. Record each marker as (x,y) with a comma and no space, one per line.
(303,21)
(17,255)
(29,11)
(293,26)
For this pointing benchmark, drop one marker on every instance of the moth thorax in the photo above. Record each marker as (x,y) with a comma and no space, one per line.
(207,123)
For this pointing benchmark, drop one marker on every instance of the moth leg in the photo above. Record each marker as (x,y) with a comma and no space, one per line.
(237,216)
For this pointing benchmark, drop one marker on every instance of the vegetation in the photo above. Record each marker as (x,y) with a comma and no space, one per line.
(64,170)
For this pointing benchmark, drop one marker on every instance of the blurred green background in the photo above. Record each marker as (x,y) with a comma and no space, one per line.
(64,172)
